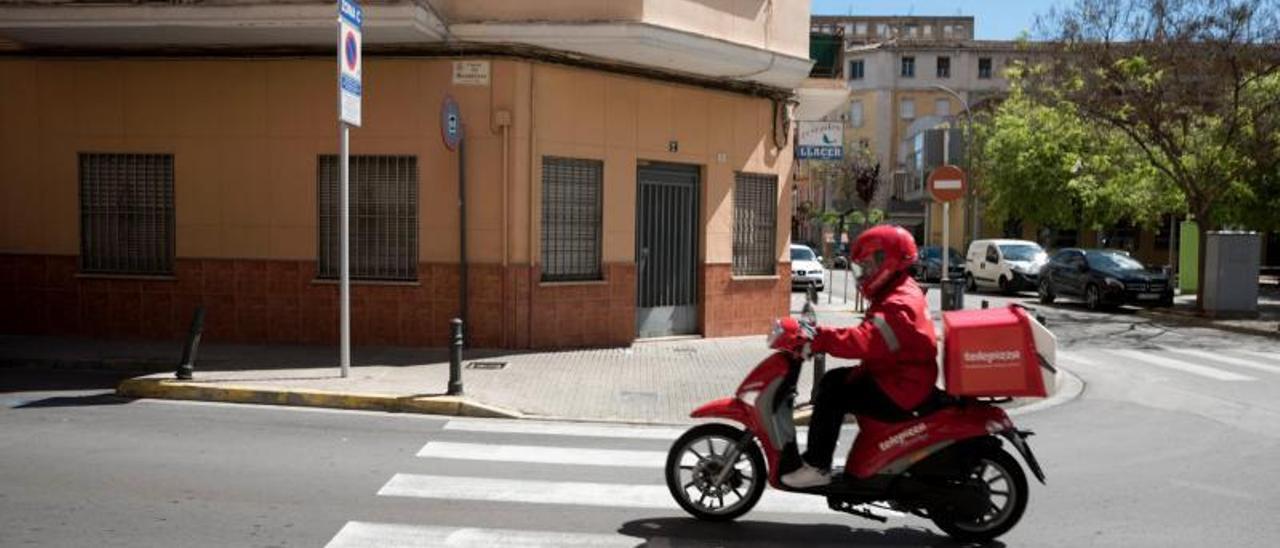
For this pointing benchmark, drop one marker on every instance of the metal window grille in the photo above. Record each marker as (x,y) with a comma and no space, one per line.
(755,220)
(383,213)
(126,213)
(572,204)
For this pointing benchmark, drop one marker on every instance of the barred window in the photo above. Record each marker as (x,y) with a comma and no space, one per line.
(383,214)
(126,213)
(755,220)
(572,200)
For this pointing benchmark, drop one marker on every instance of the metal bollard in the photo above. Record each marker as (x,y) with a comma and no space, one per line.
(187,367)
(985,304)
(811,293)
(819,369)
(455,357)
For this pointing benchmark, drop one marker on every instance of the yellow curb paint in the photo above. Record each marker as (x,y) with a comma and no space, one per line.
(176,390)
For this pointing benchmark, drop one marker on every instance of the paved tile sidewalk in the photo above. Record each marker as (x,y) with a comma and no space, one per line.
(648,382)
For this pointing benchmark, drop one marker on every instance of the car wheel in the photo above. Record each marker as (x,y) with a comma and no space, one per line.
(970,284)
(1004,284)
(1046,292)
(1093,297)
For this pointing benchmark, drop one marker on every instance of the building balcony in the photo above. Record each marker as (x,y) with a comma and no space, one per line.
(760,41)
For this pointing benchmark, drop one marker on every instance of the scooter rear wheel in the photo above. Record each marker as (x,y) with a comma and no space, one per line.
(1000,476)
(695,462)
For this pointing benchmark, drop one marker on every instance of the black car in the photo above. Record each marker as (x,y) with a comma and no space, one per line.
(1103,277)
(928,267)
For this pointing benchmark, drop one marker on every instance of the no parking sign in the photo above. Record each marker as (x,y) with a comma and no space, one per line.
(350,59)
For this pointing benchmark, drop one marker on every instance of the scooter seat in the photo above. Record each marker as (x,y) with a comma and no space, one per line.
(937,400)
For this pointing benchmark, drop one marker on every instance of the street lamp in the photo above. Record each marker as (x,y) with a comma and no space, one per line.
(971,221)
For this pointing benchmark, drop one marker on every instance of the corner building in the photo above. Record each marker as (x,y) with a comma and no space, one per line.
(618,185)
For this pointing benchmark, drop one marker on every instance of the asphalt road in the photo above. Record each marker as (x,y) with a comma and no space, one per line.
(1175,442)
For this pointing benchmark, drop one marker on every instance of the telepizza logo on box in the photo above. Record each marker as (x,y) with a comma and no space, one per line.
(993,358)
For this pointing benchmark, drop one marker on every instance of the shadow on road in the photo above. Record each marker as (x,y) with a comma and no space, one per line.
(692,533)
(77,401)
(39,379)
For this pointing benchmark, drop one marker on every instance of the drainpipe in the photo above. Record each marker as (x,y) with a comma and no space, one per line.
(503,117)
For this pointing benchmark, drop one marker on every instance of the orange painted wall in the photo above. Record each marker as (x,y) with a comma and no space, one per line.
(245,134)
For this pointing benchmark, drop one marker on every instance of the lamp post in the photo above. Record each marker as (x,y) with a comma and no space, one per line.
(971,221)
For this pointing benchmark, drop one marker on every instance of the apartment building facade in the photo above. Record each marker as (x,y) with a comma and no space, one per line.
(902,77)
(623,180)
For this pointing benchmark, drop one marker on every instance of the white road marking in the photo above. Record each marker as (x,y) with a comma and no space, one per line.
(1273,357)
(360,534)
(612,495)
(1179,365)
(543,455)
(1224,358)
(578,429)
(594,430)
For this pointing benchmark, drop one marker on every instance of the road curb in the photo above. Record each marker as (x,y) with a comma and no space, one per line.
(1197,321)
(429,405)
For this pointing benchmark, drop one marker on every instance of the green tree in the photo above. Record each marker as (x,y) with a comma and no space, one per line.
(1191,84)
(1039,161)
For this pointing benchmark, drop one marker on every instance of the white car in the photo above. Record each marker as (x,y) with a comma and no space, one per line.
(806,270)
(1007,265)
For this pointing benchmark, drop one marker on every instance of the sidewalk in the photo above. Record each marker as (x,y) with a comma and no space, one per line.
(650,382)
(1267,322)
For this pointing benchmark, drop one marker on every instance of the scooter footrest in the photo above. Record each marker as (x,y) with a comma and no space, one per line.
(854,508)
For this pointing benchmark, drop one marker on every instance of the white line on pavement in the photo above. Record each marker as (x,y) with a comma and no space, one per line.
(1179,365)
(543,455)
(1221,357)
(614,495)
(579,429)
(359,534)
(566,429)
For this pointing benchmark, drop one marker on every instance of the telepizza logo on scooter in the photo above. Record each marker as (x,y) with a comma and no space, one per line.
(992,358)
(900,438)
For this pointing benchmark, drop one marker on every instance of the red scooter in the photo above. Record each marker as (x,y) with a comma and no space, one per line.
(945,463)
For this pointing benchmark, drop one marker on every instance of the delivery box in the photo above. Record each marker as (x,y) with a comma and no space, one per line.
(995,352)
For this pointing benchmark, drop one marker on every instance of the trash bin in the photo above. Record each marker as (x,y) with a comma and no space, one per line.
(953,294)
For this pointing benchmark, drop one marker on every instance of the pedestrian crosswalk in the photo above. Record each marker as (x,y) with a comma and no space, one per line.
(544,464)
(503,466)
(1223,365)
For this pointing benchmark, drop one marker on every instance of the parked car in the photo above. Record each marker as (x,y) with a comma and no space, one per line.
(1103,277)
(806,268)
(1008,265)
(928,266)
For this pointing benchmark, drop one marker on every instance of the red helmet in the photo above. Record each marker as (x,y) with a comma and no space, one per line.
(881,253)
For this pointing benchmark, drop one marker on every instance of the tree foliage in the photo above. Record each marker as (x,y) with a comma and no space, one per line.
(1190,83)
(1046,164)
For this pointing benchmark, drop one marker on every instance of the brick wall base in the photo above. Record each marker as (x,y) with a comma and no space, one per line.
(272,301)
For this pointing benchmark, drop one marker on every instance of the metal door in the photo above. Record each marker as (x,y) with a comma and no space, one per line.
(666,250)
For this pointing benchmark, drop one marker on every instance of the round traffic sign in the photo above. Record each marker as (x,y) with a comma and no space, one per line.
(450,122)
(947,183)
(351,49)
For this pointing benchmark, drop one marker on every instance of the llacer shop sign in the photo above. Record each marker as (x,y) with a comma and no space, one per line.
(820,140)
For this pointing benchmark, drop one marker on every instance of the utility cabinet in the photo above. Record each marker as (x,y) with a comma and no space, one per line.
(1232,260)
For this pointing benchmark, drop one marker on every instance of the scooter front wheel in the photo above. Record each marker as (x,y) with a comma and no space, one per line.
(711,477)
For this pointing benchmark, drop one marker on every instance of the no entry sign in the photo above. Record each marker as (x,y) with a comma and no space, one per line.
(947,183)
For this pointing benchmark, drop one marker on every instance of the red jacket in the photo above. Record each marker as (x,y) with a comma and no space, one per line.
(896,343)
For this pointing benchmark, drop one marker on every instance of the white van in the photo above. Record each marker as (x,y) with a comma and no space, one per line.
(1007,265)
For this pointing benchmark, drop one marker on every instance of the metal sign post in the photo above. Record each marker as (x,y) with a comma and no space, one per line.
(452,134)
(350,19)
(947,184)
